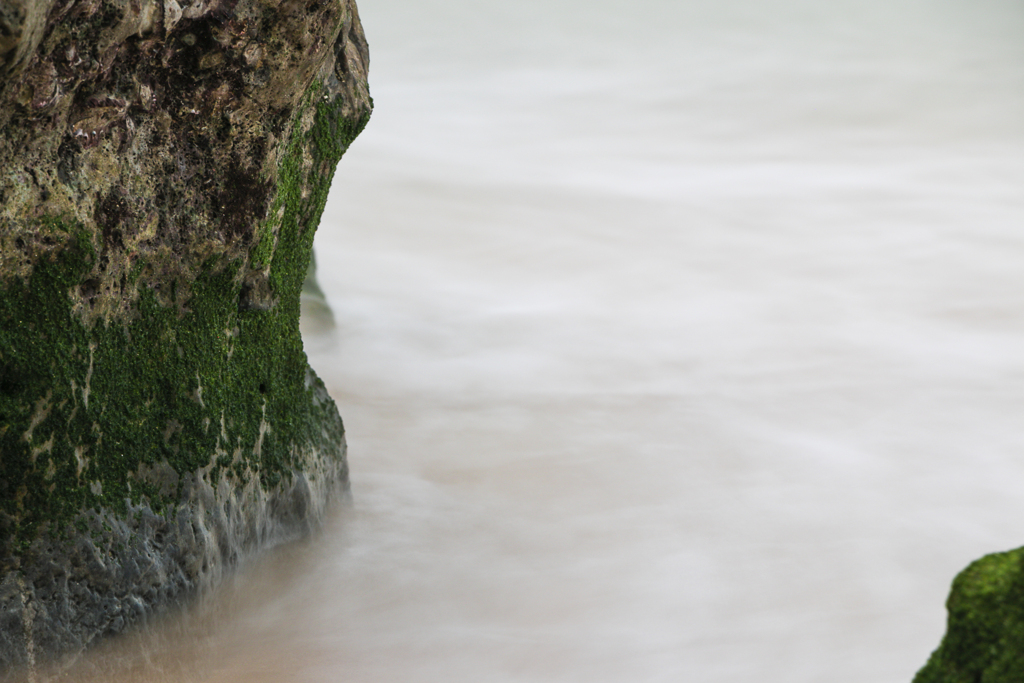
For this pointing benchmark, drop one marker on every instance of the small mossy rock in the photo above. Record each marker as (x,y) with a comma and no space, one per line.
(317,315)
(164,167)
(984,641)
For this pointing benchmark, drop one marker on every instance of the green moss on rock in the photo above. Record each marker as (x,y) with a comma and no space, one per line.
(158,416)
(984,641)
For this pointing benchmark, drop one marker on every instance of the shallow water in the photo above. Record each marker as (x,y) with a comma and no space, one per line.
(675,341)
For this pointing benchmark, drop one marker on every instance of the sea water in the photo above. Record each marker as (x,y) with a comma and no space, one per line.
(675,341)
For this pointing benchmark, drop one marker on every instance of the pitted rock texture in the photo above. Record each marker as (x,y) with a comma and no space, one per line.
(163,167)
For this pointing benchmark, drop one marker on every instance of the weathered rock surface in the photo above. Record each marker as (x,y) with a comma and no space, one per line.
(163,167)
(984,639)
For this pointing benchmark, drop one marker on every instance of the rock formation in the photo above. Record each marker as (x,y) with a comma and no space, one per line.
(163,167)
(984,638)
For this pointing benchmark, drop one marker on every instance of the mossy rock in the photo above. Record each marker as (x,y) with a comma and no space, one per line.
(165,167)
(984,641)
(317,316)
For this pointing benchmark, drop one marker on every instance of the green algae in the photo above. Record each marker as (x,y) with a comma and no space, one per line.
(984,641)
(158,418)
(203,384)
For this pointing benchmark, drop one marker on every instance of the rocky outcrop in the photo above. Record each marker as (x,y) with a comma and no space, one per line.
(984,638)
(163,167)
